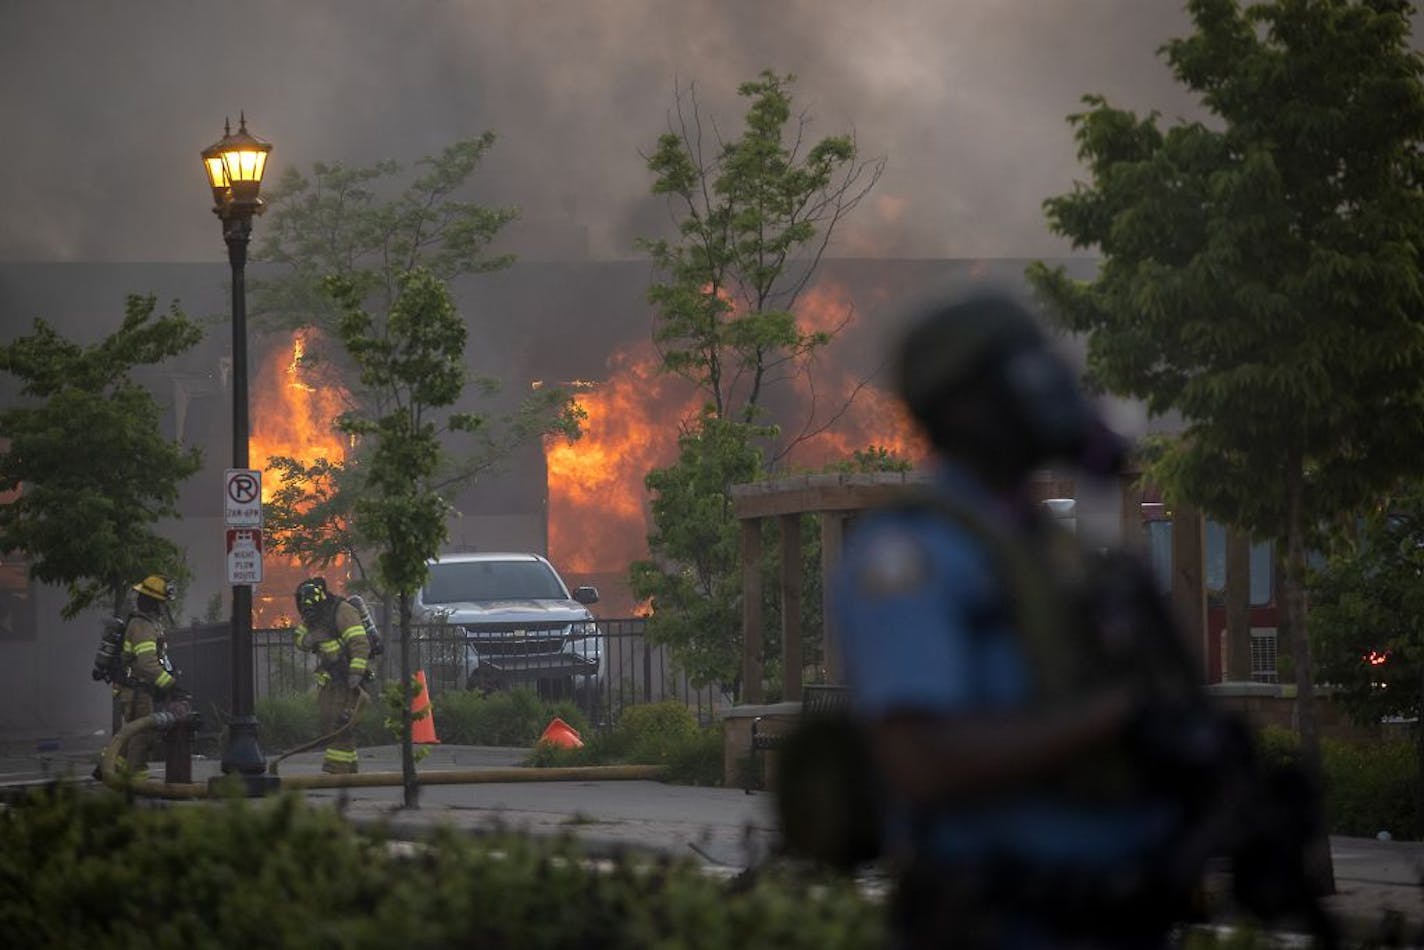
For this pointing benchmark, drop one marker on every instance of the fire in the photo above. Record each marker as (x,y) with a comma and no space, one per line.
(872,417)
(598,518)
(292,415)
(598,521)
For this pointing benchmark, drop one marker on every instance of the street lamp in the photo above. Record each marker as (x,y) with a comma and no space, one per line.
(234,166)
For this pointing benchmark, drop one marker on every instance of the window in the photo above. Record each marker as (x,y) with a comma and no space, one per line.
(1159,551)
(1263,654)
(1214,541)
(459,581)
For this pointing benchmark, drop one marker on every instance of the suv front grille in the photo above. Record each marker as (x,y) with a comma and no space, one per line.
(507,640)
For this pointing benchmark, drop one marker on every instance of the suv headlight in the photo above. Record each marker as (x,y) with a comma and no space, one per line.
(583,629)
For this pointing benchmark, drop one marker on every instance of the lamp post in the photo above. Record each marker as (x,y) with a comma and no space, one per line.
(234,166)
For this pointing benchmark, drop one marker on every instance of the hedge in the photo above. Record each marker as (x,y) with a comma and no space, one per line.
(90,869)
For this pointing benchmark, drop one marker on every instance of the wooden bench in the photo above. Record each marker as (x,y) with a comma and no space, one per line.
(815,700)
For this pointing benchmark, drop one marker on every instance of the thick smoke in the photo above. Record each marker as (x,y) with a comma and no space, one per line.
(107,104)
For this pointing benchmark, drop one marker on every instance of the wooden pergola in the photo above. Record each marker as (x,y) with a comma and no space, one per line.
(837,499)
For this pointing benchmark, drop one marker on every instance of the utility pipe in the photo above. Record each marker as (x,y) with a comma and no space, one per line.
(184,790)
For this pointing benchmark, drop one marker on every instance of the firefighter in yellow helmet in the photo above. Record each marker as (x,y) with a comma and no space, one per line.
(148,673)
(332,629)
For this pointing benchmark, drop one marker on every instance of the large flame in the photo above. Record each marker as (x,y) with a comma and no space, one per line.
(844,413)
(598,516)
(598,520)
(294,416)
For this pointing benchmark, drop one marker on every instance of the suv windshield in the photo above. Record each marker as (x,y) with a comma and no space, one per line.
(492,580)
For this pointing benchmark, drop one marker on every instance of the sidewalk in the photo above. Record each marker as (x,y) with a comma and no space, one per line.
(723,828)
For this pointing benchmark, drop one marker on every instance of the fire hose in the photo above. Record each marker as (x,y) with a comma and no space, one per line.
(330,737)
(183,790)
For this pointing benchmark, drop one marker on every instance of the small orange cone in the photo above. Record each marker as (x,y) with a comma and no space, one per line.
(422,730)
(561,734)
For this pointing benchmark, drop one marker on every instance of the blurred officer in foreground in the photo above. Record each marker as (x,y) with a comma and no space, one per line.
(1003,677)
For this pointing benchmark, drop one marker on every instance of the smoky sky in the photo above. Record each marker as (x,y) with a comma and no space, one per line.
(106,105)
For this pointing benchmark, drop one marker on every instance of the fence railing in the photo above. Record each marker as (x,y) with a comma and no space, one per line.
(629,670)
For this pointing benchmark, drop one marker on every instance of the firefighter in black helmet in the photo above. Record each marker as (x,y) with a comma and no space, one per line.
(332,629)
(148,673)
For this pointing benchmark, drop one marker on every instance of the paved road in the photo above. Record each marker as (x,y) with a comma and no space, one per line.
(725,828)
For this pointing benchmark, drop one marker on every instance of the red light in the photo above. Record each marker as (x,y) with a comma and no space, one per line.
(1375,658)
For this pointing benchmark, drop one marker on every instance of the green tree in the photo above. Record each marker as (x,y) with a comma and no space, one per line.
(695,580)
(363,226)
(1260,272)
(93,470)
(754,218)
(311,516)
(1367,617)
(341,221)
(416,364)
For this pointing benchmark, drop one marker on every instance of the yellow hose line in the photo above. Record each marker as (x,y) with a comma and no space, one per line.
(179,790)
(581,773)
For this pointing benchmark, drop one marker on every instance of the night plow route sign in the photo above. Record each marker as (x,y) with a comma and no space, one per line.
(244,555)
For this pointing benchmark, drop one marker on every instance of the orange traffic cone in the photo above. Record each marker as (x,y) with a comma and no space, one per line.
(422,730)
(561,734)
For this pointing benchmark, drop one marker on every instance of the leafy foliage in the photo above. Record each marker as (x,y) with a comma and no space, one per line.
(1367,612)
(311,515)
(93,470)
(753,218)
(1370,786)
(753,221)
(415,362)
(337,222)
(94,871)
(345,224)
(664,734)
(1260,273)
(694,579)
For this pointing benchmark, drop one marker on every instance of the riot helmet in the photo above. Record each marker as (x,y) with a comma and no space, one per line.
(981,378)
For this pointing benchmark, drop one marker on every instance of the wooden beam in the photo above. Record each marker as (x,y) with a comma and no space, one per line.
(791,607)
(751,612)
(838,492)
(1238,607)
(832,540)
(1188,587)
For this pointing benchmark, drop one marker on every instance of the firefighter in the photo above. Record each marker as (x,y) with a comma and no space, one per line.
(332,629)
(148,673)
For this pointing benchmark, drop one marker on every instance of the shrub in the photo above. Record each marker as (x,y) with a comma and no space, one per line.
(656,734)
(1368,785)
(652,733)
(90,870)
(513,718)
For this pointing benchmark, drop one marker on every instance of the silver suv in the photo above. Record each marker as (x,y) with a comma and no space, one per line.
(519,621)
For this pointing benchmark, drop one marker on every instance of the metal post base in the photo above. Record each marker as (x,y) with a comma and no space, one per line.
(243,756)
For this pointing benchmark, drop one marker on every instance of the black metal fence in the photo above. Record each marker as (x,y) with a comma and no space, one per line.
(631,671)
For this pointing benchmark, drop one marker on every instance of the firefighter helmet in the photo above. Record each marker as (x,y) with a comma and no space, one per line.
(311,595)
(156,586)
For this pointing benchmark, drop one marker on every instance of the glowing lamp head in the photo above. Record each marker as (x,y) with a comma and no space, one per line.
(234,166)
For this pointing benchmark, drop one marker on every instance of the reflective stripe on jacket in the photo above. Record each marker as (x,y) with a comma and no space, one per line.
(145,647)
(341,644)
